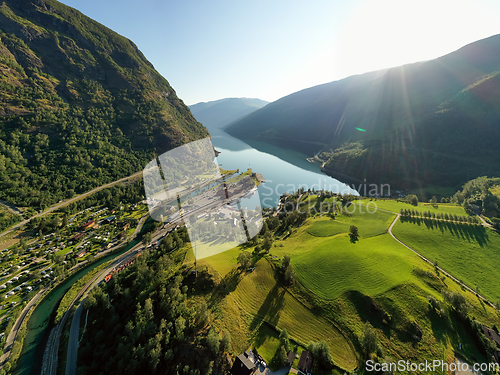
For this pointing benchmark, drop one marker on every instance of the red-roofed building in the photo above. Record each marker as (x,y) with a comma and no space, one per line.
(81,253)
(88,224)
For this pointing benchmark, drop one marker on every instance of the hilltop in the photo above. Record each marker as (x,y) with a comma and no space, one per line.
(421,124)
(80,105)
(220,113)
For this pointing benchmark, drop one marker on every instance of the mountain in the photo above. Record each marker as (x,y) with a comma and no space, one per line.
(80,105)
(219,113)
(427,123)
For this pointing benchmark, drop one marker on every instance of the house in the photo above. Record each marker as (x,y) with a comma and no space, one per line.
(243,365)
(126,226)
(109,219)
(81,253)
(258,177)
(88,224)
(77,236)
(495,337)
(305,363)
(492,335)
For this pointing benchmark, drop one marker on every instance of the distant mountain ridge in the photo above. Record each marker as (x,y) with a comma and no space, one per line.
(427,123)
(219,113)
(80,105)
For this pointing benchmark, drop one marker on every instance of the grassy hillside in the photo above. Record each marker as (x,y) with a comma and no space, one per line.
(344,285)
(409,126)
(470,253)
(79,105)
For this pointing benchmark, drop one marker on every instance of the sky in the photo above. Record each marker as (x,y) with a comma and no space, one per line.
(268,49)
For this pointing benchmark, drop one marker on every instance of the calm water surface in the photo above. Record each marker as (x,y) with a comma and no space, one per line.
(284,170)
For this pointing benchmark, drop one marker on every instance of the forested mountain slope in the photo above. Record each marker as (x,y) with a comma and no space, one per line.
(79,105)
(433,122)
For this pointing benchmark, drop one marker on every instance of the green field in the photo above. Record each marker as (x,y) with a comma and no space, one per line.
(394,206)
(370,222)
(341,277)
(327,228)
(470,253)
(335,265)
(260,295)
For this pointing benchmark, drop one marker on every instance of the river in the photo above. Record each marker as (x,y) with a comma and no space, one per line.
(40,322)
(284,170)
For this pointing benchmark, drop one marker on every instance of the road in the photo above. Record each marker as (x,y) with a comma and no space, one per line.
(71,359)
(50,357)
(68,201)
(72,356)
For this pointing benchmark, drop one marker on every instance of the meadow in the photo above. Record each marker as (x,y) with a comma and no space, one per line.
(338,283)
(259,294)
(469,253)
(395,206)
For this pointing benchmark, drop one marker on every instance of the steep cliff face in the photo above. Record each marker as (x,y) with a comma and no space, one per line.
(80,105)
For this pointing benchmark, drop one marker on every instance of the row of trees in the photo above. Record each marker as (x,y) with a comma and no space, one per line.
(439,216)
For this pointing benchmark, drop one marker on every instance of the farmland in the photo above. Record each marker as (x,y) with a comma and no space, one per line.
(470,253)
(339,278)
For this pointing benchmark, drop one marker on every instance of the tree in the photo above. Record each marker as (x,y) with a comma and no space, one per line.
(146,239)
(286,261)
(289,275)
(281,357)
(435,304)
(369,340)
(268,242)
(321,354)
(285,339)
(353,233)
(433,200)
(412,199)
(213,341)
(244,259)
(226,341)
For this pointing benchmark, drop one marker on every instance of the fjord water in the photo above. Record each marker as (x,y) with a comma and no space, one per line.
(284,170)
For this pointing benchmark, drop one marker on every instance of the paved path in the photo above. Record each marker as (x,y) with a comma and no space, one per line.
(469,371)
(66,202)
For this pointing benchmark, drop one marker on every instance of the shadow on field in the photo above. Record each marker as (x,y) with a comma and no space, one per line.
(228,284)
(271,308)
(469,232)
